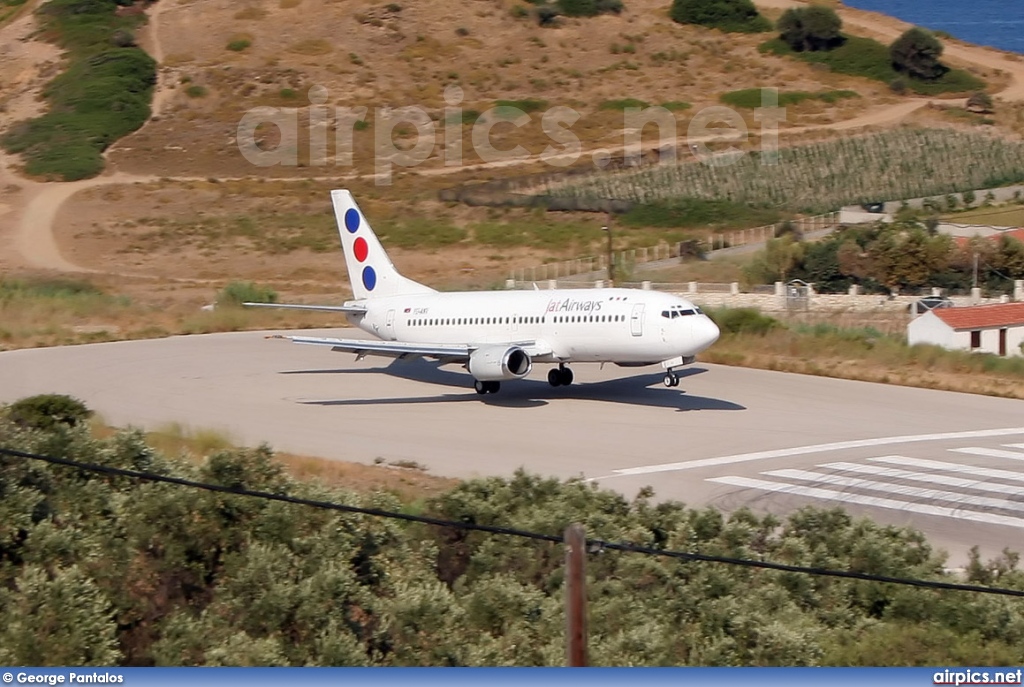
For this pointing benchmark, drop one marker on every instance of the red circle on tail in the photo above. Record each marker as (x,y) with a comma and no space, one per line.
(360,249)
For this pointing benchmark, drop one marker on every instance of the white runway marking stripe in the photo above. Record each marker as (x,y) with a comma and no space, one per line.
(991,473)
(1014,445)
(990,452)
(929,477)
(900,489)
(817,448)
(876,501)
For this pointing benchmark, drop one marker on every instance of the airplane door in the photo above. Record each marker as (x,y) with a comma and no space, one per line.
(636,320)
(389,325)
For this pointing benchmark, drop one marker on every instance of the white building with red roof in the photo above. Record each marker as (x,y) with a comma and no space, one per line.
(997,329)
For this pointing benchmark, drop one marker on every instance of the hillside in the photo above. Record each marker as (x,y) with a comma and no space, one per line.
(221,59)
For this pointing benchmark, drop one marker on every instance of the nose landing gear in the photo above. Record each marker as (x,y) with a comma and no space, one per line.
(560,376)
(671,379)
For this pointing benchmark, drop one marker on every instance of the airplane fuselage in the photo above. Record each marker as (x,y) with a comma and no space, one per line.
(627,326)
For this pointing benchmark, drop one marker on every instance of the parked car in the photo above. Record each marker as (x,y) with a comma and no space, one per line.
(929,303)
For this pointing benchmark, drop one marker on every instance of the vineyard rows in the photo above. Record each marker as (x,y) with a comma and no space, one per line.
(819,177)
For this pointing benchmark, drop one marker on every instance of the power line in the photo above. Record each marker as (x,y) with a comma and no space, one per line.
(593,545)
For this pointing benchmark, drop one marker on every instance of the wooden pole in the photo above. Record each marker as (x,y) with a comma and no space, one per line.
(576,595)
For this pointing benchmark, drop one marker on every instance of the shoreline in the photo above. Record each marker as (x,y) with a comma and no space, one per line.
(949,34)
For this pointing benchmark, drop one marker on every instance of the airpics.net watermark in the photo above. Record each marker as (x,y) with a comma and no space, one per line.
(708,125)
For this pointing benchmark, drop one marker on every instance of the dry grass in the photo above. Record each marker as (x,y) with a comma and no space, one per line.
(311,46)
(195,444)
(871,356)
(252,12)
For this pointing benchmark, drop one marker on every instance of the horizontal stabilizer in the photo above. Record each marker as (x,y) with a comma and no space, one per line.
(355,309)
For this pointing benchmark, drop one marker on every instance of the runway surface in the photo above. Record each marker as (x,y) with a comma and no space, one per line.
(950,464)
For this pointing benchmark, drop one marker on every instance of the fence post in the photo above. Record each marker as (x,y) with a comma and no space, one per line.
(576,595)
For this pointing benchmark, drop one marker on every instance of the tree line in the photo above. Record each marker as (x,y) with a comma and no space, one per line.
(890,257)
(104,570)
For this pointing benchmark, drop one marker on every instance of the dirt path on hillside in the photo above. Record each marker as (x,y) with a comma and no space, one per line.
(155,48)
(33,209)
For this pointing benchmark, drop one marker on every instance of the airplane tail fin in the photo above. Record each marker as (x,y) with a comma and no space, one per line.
(369,268)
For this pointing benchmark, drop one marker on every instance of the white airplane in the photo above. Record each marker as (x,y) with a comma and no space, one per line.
(498,335)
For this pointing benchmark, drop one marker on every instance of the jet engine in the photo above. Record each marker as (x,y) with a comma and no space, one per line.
(494,363)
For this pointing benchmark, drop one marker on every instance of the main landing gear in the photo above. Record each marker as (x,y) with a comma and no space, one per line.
(560,376)
(671,379)
(486,387)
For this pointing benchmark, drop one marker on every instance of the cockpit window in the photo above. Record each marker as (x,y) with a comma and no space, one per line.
(680,311)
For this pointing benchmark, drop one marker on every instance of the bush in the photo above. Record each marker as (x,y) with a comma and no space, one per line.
(737,16)
(697,212)
(752,97)
(865,57)
(980,102)
(47,411)
(622,104)
(917,53)
(123,39)
(577,8)
(239,44)
(238,292)
(743,321)
(547,15)
(103,95)
(810,28)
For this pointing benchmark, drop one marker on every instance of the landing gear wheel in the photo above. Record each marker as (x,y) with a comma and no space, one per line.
(555,377)
(671,379)
(491,387)
(481,387)
(565,376)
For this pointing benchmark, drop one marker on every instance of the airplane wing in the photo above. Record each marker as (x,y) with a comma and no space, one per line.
(449,353)
(389,349)
(297,306)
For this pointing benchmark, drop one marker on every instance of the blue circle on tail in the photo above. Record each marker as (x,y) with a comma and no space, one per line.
(352,220)
(369,278)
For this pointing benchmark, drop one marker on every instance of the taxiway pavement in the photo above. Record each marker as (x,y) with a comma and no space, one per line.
(950,464)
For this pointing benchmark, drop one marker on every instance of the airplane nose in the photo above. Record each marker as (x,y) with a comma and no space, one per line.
(705,332)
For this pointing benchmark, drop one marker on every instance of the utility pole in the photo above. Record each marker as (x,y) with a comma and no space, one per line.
(611,255)
(974,282)
(576,595)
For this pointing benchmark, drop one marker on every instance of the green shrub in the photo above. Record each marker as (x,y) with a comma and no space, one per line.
(511,109)
(196,91)
(547,15)
(810,28)
(589,8)
(238,292)
(103,95)
(47,411)
(622,104)
(697,212)
(917,53)
(239,44)
(753,97)
(47,288)
(743,321)
(870,59)
(737,16)
(676,105)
